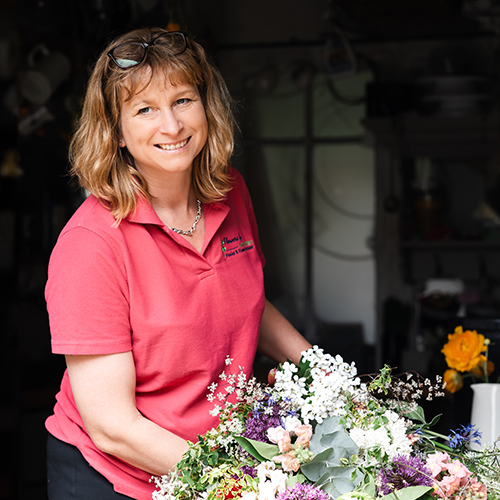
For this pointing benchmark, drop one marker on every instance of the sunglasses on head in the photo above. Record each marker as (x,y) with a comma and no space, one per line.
(130,54)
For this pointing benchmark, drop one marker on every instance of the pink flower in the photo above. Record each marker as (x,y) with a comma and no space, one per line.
(478,489)
(437,462)
(288,462)
(271,376)
(304,434)
(450,484)
(458,470)
(281,437)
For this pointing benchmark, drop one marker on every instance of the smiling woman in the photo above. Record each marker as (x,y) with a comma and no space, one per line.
(144,299)
(108,171)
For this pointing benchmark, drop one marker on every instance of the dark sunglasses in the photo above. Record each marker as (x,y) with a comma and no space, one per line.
(131,54)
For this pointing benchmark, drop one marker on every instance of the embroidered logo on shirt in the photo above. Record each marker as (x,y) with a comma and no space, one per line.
(234,246)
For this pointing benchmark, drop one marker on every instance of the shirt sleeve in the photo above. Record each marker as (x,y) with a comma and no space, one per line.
(87,296)
(245,194)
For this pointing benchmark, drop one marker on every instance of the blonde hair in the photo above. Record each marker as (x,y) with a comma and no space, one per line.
(107,170)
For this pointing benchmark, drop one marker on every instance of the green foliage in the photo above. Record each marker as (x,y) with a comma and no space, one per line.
(200,458)
(335,453)
(410,493)
(382,380)
(259,450)
(418,415)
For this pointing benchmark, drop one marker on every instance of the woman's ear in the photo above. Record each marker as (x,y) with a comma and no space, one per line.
(121,142)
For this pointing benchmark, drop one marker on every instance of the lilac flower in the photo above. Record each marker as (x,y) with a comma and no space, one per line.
(302,492)
(249,471)
(463,437)
(403,472)
(263,417)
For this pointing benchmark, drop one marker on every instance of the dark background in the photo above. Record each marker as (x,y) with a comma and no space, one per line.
(37,197)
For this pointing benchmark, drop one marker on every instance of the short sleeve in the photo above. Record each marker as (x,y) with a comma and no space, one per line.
(87,296)
(245,194)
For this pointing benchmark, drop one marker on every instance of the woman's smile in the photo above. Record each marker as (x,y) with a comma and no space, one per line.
(173,147)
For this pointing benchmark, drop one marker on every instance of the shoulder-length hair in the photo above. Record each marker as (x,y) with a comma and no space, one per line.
(104,168)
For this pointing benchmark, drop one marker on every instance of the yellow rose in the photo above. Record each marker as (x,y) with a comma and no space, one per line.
(463,350)
(453,380)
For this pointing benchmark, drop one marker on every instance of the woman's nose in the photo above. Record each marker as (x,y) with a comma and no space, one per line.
(170,123)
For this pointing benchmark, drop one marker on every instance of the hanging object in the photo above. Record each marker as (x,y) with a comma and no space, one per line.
(339,56)
(47,71)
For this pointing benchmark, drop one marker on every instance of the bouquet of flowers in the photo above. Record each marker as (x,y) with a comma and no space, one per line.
(316,431)
(466,354)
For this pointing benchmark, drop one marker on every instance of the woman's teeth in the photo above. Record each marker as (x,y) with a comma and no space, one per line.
(170,147)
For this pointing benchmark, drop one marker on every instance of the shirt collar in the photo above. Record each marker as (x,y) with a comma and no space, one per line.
(145,213)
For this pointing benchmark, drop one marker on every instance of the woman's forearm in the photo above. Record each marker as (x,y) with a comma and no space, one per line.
(104,390)
(142,444)
(279,340)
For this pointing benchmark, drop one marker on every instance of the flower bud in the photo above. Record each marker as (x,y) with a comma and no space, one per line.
(271,376)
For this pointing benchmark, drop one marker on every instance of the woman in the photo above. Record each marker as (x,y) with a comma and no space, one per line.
(157,278)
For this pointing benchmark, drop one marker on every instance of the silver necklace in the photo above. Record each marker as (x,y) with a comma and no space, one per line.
(196,220)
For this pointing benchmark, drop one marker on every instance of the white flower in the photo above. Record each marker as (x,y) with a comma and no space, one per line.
(271,480)
(266,491)
(215,411)
(291,423)
(390,438)
(326,396)
(250,495)
(278,479)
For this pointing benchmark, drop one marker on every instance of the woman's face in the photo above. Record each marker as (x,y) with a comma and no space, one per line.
(164,127)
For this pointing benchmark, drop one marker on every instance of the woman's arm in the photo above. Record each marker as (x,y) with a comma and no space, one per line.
(104,390)
(279,340)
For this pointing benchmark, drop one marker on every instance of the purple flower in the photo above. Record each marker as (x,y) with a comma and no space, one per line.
(266,416)
(403,472)
(302,492)
(249,471)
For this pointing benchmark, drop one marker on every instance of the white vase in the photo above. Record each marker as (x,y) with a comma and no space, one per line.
(486,413)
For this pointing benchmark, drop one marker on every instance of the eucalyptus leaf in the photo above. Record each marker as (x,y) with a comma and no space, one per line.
(332,448)
(331,435)
(335,486)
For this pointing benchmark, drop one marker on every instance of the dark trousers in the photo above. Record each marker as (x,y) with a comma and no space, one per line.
(70,477)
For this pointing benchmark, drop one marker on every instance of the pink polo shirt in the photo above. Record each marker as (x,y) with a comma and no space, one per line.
(142,287)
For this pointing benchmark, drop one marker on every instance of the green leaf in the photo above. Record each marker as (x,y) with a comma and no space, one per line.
(261,451)
(292,480)
(435,420)
(410,493)
(335,486)
(304,368)
(330,467)
(331,435)
(417,414)
(367,485)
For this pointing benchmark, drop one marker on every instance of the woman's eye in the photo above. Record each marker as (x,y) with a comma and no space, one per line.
(144,111)
(182,101)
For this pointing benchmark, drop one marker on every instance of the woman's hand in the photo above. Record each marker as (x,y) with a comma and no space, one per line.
(104,390)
